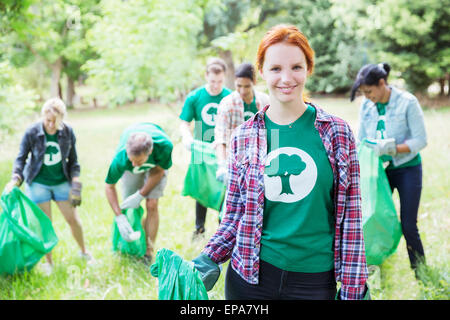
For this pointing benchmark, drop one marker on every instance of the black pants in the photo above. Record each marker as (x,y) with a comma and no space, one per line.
(277,284)
(200,216)
(408,182)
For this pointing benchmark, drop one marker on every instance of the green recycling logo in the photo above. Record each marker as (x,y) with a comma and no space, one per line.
(209,114)
(52,154)
(290,175)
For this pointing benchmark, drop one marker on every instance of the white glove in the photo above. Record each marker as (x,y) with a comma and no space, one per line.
(10,185)
(383,146)
(222,172)
(125,230)
(187,141)
(133,201)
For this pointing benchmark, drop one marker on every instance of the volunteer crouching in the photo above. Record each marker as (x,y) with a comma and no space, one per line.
(141,162)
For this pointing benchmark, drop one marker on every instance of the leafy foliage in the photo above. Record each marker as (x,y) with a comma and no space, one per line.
(145,50)
(16,101)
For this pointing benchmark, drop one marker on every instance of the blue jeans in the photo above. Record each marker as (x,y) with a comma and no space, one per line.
(278,284)
(408,182)
(40,193)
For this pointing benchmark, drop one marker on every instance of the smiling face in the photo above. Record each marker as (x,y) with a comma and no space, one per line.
(285,71)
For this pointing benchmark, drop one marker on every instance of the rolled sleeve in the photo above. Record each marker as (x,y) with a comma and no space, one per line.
(352,292)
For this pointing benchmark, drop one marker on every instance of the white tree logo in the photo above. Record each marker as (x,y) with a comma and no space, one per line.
(290,175)
(209,114)
(248,115)
(52,154)
(143,168)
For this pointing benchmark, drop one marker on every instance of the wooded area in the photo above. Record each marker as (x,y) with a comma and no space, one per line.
(114,52)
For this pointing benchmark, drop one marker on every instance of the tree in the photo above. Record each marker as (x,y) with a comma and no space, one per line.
(145,50)
(16,101)
(284,166)
(411,35)
(53,32)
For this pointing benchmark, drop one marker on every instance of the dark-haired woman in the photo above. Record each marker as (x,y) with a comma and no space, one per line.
(234,109)
(393,122)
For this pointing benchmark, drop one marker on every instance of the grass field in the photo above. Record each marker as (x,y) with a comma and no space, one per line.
(118,277)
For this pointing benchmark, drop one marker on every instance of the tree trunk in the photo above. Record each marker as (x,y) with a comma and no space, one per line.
(227,56)
(56,75)
(70,92)
(442,84)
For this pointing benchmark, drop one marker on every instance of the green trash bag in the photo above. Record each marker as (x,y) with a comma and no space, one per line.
(178,279)
(134,248)
(382,229)
(26,233)
(200,182)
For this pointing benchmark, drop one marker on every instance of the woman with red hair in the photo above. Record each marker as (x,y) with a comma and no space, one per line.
(292,225)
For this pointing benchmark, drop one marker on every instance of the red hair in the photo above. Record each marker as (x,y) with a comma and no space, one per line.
(289,34)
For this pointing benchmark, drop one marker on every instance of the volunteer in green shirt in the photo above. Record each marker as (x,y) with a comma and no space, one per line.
(298,224)
(201,106)
(47,162)
(392,123)
(141,162)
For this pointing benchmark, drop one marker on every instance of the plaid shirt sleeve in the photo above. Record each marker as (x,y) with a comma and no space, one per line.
(353,260)
(220,246)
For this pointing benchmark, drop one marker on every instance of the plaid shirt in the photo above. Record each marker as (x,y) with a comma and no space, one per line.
(239,235)
(230,114)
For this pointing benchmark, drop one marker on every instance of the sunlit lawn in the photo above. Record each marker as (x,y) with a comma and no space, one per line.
(117,277)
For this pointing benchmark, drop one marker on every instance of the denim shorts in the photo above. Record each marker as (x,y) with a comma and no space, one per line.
(39,193)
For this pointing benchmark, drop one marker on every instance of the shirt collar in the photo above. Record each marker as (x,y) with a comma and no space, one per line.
(321,115)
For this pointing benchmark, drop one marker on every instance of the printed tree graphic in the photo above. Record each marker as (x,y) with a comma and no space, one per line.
(284,166)
(51,150)
(213,112)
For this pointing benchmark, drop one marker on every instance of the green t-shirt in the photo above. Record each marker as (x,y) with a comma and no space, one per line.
(298,223)
(51,172)
(161,154)
(202,107)
(250,109)
(381,129)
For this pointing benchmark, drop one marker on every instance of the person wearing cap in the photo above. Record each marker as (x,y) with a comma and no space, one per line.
(201,106)
(48,164)
(391,121)
(141,161)
(234,109)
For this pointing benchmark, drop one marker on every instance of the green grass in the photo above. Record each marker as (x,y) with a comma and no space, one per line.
(117,277)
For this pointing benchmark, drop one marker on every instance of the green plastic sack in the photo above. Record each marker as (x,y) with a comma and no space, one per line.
(178,279)
(26,233)
(134,248)
(382,229)
(200,182)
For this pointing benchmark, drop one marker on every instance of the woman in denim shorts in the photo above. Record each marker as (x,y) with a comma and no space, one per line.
(47,162)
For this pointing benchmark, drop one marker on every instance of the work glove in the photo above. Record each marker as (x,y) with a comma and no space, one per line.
(133,201)
(75,193)
(126,232)
(222,172)
(382,146)
(187,141)
(208,269)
